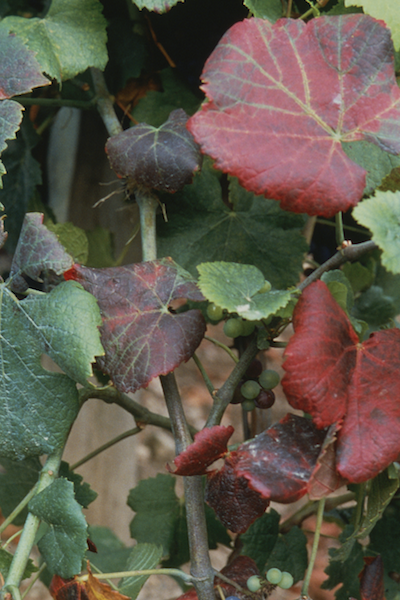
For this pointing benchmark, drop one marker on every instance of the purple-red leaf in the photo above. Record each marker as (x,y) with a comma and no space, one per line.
(279,462)
(371,579)
(141,337)
(335,378)
(234,502)
(38,251)
(20,72)
(209,445)
(163,158)
(276,117)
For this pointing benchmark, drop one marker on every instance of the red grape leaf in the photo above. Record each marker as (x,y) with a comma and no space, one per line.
(371,579)
(141,337)
(163,158)
(19,69)
(283,97)
(38,251)
(97,590)
(234,502)
(325,478)
(209,445)
(278,463)
(239,571)
(334,377)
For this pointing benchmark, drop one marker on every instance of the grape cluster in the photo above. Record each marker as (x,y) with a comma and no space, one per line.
(235,327)
(283,579)
(255,390)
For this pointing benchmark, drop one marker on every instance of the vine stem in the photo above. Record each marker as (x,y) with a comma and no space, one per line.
(339,229)
(223,346)
(27,540)
(104,103)
(105,446)
(17,509)
(171,572)
(207,380)
(314,550)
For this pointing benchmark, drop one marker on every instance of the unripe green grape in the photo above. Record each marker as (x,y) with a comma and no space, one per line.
(248,405)
(250,389)
(287,580)
(269,379)
(233,327)
(265,288)
(274,575)
(214,312)
(247,327)
(254,583)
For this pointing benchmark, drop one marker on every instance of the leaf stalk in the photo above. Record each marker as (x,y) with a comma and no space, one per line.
(314,550)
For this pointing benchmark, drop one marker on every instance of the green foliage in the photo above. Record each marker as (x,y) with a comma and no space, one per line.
(290,554)
(374,160)
(69,39)
(161,519)
(63,545)
(384,541)
(345,573)
(202,228)
(142,556)
(73,238)
(238,289)
(5,563)
(15,483)
(265,9)
(112,554)
(387,11)
(381,214)
(84,495)
(261,537)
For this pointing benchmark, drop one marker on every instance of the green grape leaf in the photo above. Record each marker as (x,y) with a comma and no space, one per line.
(6,559)
(155,107)
(360,276)
(383,488)
(142,556)
(387,11)
(202,228)
(127,54)
(374,307)
(112,554)
(384,541)
(69,39)
(290,554)
(340,288)
(260,538)
(237,288)
(15,483)
(10,119)
(374,160)
(381,214)
(74,240)
(265,9)
(84,495)
(345,573)
(101,248)
(64,544)
(38,251)
(341,9)
(158,6)
(23,175)
(38,407)
(67,320)
(161,519)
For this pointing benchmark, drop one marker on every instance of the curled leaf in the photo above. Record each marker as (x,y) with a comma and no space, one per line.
(209,445)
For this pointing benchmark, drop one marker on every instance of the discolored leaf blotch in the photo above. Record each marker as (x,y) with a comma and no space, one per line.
(371,579)
(163,158)
(141,337)
(335,378)
(279,129)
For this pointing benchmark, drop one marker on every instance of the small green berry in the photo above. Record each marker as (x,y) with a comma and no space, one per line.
(254,583)
(269,379)
(248,405)
(214,312)
(233,327)
(274,575)
(247,327)
(250,389)
(287,580)
(265,288)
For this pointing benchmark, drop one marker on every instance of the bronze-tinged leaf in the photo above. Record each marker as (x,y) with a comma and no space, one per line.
(163,158)
(276,119)
(209,445)
(67,589)
(371,579)
(96,590)
(231,497)
(325,478)
(141,336)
